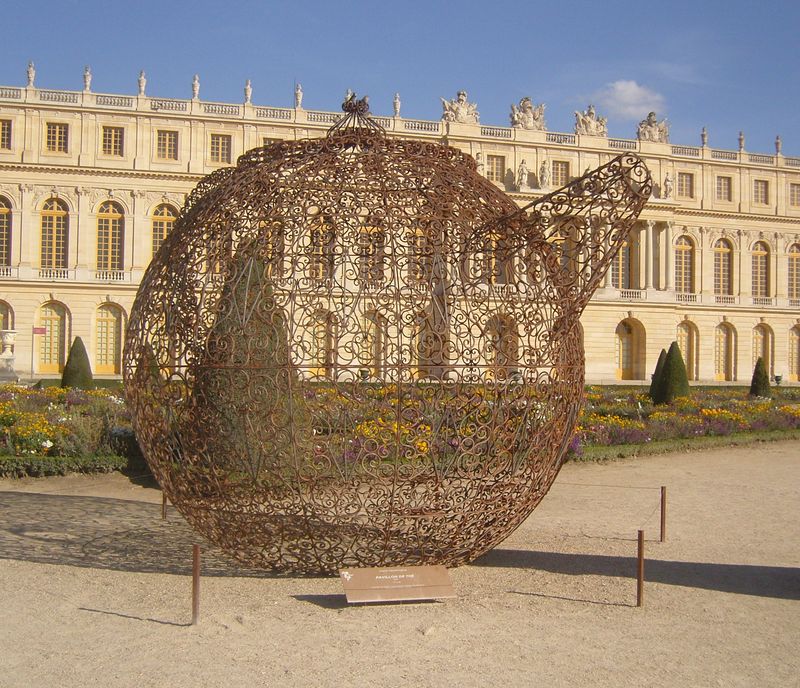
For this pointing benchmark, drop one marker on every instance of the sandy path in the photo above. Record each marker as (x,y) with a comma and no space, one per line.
(94,591)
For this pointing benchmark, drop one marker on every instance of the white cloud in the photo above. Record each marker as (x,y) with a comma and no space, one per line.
(629,100)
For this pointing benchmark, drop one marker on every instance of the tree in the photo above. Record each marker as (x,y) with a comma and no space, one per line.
(657,373)
(77,371)
(759,386)
(674,382)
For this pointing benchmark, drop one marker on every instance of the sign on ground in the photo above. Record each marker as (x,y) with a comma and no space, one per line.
(396,583)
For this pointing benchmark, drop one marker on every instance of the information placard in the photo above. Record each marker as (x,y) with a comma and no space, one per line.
(397,583)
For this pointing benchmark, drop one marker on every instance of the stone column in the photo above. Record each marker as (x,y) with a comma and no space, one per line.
(648,255)
(26,229)
(669,256)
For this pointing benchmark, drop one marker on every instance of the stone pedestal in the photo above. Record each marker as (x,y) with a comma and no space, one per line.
(7,374)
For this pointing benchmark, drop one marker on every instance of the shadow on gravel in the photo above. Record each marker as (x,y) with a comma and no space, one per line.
(743,579)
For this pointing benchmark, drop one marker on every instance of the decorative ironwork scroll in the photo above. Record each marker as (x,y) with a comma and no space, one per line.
(356,351)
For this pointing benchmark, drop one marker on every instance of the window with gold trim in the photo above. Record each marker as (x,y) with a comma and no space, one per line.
(5,232)
(496,168)
(114,141)
(322,247)
(560,172)
(621,267)
(163,219)
(53,318)
(794,354)
(685,185)
(724,346)
(793,272)
(220,151)
(54,235)
(684,265)
(6,316)
(687,342)
(723,268)
(108,342)
(760,263)
(762,347)
(110,236)
(5,134)
(57,137)
(166,144)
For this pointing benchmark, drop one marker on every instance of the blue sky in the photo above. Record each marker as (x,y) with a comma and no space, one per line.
(724,65)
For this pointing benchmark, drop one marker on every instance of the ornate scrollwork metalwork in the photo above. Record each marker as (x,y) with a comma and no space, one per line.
(356,351)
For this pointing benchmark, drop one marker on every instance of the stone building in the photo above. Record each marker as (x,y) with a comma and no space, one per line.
(91,183)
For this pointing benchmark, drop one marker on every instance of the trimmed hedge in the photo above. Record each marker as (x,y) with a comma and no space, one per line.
(759,385)
(40,466)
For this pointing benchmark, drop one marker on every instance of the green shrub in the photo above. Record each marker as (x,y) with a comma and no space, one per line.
(77,371)
(759,386)
(674,382)
(657,372)
(39,466)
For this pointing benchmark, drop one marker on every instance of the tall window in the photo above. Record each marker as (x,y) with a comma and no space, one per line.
(760,261)
(110,229)
(163,219)
(53,318)
(57,137)
(6,316)
(560,172)
(5,232)
(323,350)
(420,263)
(371,258)
(794,195)
(794,353)
(724,189)
(685,185)
(496,168)
(762,347)
(497,261)
(621,267)
(5,134)
(503,347)
(687,341)
(724,345)
(322,247)
(625,354)
(220,148)
(166,145)
(684,265)
(114,141)
(109,340)
(793,272)
(760,191)
(723,267)
(55,231)
(373,349)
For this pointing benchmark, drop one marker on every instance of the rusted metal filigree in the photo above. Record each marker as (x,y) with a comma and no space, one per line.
(356,351)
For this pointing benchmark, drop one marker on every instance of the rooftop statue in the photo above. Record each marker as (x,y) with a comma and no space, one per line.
(31,74)
(460,110)
(142,83)
(527,115)
(589,124)
(651,129)
(196,86)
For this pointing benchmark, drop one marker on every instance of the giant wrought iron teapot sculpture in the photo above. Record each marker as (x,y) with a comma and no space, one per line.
(357,351)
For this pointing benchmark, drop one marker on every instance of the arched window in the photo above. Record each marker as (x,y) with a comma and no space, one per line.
(163,219)
(724,352)
(371,257)
(322,247)
(630,350)
(5,232)
(52,344)
(763,343)
(723,268)
(793,272)
(323,348)
(502,347)
(497,260)
(687,341)
(55,234)
(621,268)
(110,236)
(373,349)
(108,343)
(6,316)
(794,353)
(760,256)
(684,265)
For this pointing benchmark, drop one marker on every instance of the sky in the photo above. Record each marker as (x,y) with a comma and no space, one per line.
(729,66)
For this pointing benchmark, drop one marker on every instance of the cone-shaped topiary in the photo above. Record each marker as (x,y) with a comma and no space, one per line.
(674,381)
(657,373)
(759,386)
(77,371)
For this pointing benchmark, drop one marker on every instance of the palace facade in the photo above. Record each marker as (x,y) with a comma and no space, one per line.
(91,183)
